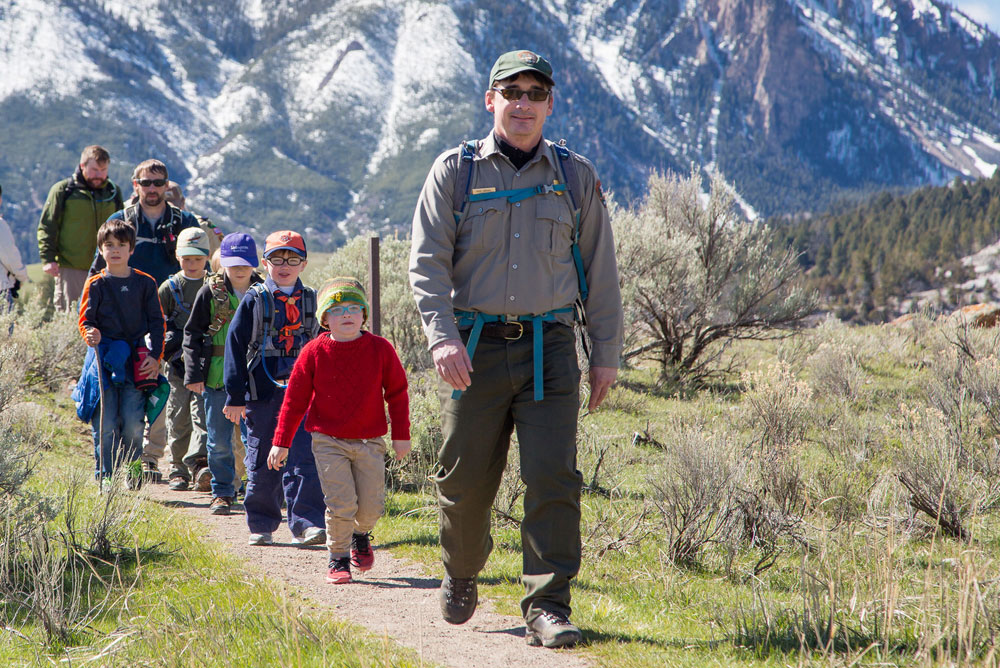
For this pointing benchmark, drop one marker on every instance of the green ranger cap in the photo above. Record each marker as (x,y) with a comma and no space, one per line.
(515,62)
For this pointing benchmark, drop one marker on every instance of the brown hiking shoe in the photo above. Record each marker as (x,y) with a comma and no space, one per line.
(203,479)
(178,483)
(220,505)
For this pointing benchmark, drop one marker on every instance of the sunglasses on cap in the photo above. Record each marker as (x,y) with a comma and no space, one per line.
(145,183)
(290,261)
(513,93)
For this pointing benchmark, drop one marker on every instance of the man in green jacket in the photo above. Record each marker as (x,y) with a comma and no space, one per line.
(67,231)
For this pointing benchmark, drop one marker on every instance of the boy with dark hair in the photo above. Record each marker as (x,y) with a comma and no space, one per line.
(204,349)
(186,430)
(341,385)
(271,325)
(118,309)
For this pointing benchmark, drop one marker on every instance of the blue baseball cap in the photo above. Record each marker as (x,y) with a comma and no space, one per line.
(238,250)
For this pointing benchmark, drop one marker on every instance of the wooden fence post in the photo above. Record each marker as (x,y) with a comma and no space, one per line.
(374,288)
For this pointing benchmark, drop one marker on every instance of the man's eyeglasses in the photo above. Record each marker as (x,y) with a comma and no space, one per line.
(514,93)
(145,183)
(353,309)
(290,261)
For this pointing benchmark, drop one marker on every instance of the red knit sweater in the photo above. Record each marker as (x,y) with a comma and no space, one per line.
(342,385)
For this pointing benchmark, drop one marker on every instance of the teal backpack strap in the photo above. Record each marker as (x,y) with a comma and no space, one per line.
(463,180)
(572,182)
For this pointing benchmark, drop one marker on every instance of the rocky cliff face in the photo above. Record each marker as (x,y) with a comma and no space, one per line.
(325,115)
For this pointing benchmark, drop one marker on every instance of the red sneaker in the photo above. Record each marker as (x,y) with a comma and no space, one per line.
(340,571)
(362,556)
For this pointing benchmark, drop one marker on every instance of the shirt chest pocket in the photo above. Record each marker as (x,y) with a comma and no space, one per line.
(553,226)
(483,227)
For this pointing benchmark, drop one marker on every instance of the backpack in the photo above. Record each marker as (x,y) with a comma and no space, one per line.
(166,230)
(71,185)
(261,345)
(220,300)
(181,307)
(570,185)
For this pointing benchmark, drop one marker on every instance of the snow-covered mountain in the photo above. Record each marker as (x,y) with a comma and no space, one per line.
(324,115)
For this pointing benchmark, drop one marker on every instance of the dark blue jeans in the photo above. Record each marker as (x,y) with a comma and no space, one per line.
(117,427)
(297,480)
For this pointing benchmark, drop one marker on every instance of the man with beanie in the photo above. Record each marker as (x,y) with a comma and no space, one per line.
(67,230)
(511,246)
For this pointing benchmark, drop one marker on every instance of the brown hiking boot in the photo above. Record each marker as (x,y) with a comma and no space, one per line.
(178,483)
(202,479)
(220,505)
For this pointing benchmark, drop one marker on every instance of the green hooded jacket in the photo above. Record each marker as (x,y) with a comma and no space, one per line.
(67,229)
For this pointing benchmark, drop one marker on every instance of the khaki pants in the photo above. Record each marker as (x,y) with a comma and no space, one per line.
(186,429)
(69,287)
(477,428)
(352,475)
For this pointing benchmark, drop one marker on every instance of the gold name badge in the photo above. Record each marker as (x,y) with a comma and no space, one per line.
(480,191)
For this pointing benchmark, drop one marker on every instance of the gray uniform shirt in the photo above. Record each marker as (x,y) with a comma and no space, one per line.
(514,259)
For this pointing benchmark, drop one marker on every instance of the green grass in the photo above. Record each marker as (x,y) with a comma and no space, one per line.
(170,597)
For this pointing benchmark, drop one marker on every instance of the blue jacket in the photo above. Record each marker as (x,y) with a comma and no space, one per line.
(87,393)
(236,378)
(155,245)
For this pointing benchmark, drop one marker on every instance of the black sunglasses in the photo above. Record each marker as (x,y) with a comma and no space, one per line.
(514,93)
(145,183)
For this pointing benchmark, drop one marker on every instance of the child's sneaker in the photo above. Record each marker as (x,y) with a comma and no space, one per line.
(261,539)
(150,473)
(340,571)
(311,536)
(362,556)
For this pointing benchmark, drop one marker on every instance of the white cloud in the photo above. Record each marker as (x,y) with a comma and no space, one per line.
(982,11)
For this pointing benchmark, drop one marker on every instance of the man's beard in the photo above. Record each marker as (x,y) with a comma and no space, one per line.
(151,199)
(95,183)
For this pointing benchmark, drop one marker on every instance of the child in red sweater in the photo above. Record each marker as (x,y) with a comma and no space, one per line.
(340,380)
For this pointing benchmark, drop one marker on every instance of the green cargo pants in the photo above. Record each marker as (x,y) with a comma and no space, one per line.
(477,428)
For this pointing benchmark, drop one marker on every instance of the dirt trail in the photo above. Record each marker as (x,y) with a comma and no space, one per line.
(397,597)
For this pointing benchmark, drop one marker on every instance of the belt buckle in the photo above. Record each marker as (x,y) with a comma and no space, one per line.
(520,328)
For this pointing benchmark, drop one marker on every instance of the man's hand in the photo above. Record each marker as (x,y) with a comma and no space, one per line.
(197,388)
(92,337)
(401,448)
(452,362)
(149,367)
(51,268)
(235,413)
(276,457)
(601,380)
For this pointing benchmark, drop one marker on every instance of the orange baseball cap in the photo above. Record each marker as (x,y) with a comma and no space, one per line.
(284,240)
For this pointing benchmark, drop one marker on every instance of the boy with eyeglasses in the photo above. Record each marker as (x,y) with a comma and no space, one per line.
(267,333)
(341,385)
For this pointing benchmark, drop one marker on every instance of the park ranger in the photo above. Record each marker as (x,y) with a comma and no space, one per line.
(512,246)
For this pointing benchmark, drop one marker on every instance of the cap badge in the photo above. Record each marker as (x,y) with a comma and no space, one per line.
(527,57)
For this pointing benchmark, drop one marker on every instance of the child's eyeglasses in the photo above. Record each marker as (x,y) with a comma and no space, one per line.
(290,261)
(145,183)
(353,309)
(514,93)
